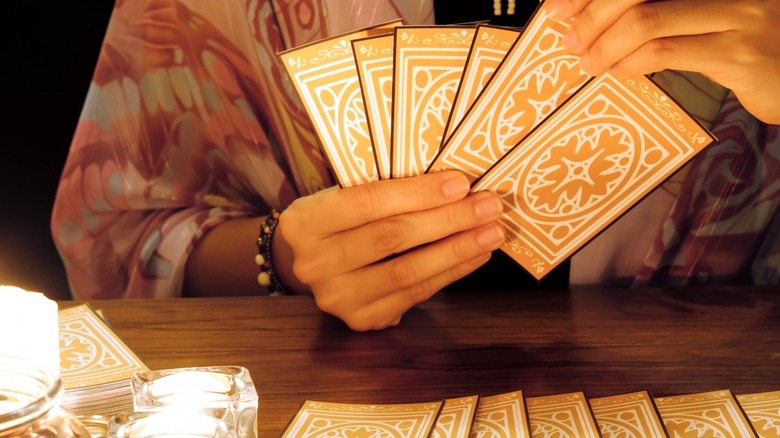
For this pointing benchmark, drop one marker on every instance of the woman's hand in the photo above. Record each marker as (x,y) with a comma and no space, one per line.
(735,43)
(369,253)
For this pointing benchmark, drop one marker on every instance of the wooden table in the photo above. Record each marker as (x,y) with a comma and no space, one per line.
(667,341)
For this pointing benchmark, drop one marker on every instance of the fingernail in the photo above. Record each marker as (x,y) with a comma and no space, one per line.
(488,207)
(555,8)
(456,187)
(570,40)
(490,236)
(585,63)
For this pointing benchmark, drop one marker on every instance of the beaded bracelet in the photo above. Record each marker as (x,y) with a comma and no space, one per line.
(268,276)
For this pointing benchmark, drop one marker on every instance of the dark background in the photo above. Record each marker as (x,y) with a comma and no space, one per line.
(49,52)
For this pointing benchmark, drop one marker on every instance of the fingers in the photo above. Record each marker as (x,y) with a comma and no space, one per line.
(605,35)
(339,210)
(388,311)
(376,295)
(377,240)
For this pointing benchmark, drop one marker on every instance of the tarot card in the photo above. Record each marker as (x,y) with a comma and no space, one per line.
(325,75)
(763,410)
(427,67)
(563,415)
(715,413)
(628,415)
(456,417)
(319,419)
(534,78)
(502,416)
(593,159)
(488,49)
(374,60)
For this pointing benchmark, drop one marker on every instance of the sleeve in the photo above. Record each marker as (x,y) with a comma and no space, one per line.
(170,143)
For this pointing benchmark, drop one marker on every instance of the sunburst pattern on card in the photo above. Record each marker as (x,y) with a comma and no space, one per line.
(632,415)
(323,419)
(591,161)
(714,413)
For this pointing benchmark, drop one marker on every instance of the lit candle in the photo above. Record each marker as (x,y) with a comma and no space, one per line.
(29,327)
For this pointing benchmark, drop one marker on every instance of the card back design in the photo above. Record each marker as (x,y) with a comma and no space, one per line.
(502,416)
(535,77)
(326,78)
(715,413)
(374,60)
(488,49)
(456,417)
(323,419)
(592,160)
(563,415)
(763,410)
(628,415)
(90,352)
(428,65)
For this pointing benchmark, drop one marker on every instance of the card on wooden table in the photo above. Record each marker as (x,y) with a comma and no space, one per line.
(325,76)
(714,413)
(374,60)
(563,415)
(321,419)
(488,49)
(427,67)
(456,417)
(90,352)
(593,159)
(628,415)
(534,78)
(502,416)
(763,411)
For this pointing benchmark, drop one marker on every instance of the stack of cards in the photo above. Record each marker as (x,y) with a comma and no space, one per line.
(511,415)
(96,366)
(567,153)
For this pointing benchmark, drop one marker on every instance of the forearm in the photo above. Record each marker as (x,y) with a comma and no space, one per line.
(223,261)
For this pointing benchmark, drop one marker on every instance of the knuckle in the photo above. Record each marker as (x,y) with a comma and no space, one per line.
(644,20)
(389,235)
(421,292)
(404,274)
(365,200)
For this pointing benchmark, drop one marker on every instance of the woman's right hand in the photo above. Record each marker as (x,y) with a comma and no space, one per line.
(371,252)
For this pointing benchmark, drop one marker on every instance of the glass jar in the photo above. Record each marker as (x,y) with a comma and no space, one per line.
(30,403)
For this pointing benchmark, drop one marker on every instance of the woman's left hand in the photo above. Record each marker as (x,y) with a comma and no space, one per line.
(735,43)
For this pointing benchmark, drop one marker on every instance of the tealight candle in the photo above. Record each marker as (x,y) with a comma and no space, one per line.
(29,323)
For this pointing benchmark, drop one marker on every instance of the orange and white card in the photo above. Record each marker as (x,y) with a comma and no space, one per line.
(488,49)
(321,419)
(593,159)
(715,413)
(763,410)
(456,417)
(427,67)
(628,415)
(325,76)
(562,415)
(535,77)
(90,352)
(502,416)
(374,60)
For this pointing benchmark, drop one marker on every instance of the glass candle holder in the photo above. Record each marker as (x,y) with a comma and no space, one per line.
(167,424)
(224,392)
(30,402)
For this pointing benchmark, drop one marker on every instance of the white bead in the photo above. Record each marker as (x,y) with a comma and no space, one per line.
(264,279)
(260,260)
